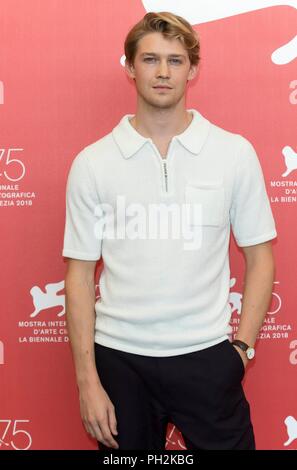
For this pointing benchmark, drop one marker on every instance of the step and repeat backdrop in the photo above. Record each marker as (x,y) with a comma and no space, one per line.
(62,87)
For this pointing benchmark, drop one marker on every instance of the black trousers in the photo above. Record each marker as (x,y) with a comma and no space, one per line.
(199,392)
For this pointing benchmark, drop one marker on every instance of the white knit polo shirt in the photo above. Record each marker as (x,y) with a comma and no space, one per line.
(165,296)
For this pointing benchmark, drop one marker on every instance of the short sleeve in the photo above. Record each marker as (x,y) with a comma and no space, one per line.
(80,240)
(250,213)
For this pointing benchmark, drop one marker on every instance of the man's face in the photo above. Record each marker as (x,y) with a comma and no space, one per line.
(163,62)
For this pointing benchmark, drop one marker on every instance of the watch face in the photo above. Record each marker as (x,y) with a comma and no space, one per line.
(250,352)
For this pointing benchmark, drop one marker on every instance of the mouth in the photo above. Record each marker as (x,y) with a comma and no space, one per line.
(162,87)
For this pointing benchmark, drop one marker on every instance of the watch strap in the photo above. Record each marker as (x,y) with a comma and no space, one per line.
(240,344)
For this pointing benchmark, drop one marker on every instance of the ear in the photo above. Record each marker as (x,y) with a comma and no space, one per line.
(192,72)
(129,70)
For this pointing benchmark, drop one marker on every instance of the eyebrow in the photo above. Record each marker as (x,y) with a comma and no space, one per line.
(169,55)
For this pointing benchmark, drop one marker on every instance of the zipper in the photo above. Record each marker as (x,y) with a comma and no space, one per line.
(165,176)
(164,163)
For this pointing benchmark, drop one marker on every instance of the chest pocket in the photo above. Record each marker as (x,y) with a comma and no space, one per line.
(205,202)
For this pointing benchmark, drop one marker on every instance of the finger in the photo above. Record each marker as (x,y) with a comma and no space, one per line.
(112,421)
(104,427)
(98,434)
(88,429)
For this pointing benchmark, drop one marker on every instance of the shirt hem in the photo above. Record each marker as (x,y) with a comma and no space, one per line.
(158,353)
(256,240)
(80,255)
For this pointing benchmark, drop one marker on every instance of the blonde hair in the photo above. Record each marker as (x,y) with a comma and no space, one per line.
(171,26)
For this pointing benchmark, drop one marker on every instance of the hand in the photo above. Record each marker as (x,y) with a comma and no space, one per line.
(242,354)
(98,414)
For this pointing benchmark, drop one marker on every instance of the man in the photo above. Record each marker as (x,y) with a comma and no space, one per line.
(158,349)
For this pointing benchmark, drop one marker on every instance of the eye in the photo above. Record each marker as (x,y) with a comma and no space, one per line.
(176,61)
(149,59)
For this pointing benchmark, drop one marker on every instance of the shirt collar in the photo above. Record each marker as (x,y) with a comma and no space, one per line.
(192,138)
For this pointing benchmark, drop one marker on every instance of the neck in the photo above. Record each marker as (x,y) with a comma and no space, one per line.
(161,124)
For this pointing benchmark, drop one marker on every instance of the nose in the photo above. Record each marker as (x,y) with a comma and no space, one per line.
(163,69)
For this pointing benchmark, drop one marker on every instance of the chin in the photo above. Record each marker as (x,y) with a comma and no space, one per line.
(162,105)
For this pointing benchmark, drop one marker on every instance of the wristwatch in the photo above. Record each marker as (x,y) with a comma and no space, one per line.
(250,352)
